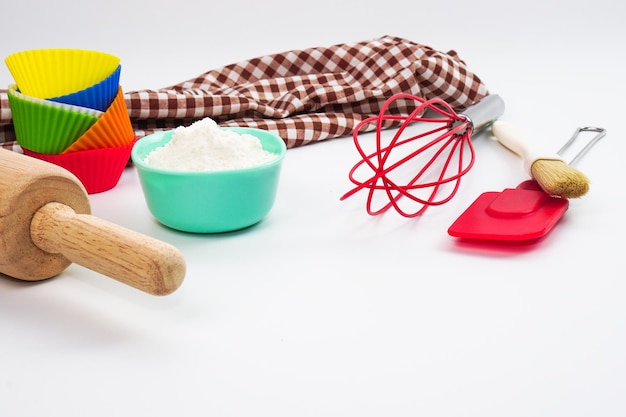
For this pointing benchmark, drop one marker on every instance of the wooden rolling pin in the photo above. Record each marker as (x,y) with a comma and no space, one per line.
(46,225)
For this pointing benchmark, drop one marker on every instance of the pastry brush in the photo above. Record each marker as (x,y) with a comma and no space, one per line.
(550,171)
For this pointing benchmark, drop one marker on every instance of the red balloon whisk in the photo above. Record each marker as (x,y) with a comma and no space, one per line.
(421,164)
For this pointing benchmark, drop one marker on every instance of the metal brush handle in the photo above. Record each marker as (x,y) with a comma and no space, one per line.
(484,112)
(600,133)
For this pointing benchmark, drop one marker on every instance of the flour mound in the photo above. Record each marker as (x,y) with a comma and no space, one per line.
(203,146)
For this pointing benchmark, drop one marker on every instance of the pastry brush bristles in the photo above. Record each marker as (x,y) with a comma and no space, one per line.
(556,177)
(559,179)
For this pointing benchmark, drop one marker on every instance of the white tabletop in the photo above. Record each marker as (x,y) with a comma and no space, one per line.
(321,309)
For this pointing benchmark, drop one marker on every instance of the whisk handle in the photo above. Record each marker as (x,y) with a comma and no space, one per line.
(484,112)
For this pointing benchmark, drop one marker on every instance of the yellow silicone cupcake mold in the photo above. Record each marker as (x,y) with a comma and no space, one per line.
(54,72)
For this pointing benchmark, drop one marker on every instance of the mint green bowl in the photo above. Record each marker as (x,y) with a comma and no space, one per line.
(212,201)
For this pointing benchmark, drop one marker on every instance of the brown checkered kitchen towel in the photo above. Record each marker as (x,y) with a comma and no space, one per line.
(303,95)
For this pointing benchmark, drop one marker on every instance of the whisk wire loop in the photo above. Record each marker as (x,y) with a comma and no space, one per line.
(447,141)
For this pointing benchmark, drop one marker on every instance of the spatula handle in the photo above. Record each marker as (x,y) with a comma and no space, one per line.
(130,257)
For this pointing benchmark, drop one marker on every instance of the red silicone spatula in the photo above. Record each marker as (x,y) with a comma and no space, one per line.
(514,214)
(523,213)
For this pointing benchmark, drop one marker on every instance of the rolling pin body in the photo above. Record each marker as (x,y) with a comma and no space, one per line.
(45,225)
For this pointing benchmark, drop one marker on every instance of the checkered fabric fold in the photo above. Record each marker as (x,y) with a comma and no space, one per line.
(304,95)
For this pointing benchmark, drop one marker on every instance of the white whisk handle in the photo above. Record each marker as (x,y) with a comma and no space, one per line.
(511,137)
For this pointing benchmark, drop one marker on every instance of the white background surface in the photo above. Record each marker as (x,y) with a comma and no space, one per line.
(322,310)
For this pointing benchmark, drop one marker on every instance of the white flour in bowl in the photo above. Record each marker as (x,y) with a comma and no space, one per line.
(203,146)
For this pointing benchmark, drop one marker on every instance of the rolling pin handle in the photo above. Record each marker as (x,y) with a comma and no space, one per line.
(142,262)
